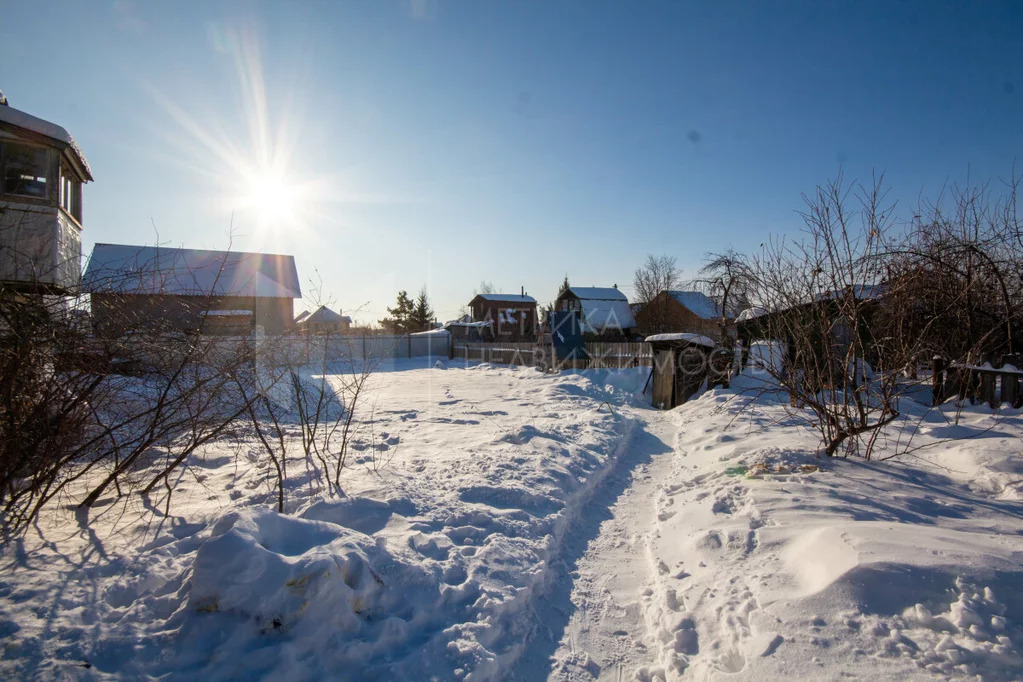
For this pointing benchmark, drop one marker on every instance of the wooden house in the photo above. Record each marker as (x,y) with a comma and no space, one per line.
(681,311)
(323,320)
(511,317)
(42,171)
(190,290)
(599,311)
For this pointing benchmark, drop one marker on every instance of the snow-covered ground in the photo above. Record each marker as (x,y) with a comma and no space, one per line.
(503,523)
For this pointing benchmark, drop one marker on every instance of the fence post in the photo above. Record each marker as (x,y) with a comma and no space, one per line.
(938,380)
(987,388)
(1010,384)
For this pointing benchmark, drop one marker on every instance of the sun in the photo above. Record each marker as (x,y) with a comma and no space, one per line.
(270,196)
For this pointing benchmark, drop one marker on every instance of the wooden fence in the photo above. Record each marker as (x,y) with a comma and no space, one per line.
(983,384)
(599,354)
(618,355)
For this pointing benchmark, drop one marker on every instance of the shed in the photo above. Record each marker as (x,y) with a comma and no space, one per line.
(173,289)
(682,362)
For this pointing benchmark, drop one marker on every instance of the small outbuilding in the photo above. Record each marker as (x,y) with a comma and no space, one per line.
(682,363)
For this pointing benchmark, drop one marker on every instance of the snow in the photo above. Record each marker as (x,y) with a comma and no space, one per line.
(773,563)
(15,117)
(751,314)
(432,332)
(698,304)
(477,325)
(504,523)
(696,339)
(124,269)
(226,313)
(600,315)
(507,298)
(598,293)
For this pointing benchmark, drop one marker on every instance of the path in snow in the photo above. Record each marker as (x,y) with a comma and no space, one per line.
(591,625)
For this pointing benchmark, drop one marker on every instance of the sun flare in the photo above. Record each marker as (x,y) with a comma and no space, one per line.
(269,194)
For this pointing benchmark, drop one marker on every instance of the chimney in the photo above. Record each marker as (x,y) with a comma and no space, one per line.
(3,99)
(523,290)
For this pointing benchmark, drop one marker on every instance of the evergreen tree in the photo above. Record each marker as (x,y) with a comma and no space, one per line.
(400,318)
(421,318)
(564,286)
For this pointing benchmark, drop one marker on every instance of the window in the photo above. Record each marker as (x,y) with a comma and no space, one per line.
(25,170)
(70,194)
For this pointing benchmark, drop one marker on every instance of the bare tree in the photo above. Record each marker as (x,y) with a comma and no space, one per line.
(728,278)
(821,292)
(657,274)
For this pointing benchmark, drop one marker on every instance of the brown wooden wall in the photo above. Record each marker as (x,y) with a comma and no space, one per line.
(490,311)
(665,314)
(117,314)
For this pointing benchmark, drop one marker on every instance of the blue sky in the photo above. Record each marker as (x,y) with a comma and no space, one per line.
(442,142)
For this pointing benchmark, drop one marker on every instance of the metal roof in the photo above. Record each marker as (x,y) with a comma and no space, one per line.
(148,270)
(598,293)
(506,298)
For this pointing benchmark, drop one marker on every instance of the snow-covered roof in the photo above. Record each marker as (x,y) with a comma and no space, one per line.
(750,314)
(123,269)
(598,293)
(432,332)
(20,119)
(507,298)
(601,315)
(697,303)
(861,292)
(346,319)
(323,315)
(696,339)
(301,316)
(460,323)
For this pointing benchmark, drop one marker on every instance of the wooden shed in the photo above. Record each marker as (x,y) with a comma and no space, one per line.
(682,362)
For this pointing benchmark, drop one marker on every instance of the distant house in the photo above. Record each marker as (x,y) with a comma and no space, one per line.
(42,171)
(190,290)
(674,311)
(322,321)
(511,317)
(603,311)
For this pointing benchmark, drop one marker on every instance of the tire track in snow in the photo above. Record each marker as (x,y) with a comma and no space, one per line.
(590,624)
